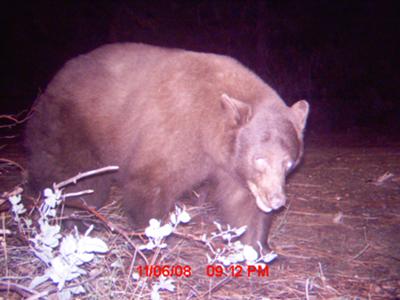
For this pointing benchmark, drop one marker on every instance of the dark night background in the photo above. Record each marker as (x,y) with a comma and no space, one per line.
(342,56)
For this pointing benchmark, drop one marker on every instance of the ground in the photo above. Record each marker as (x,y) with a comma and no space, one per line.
(338,237)
(342,227)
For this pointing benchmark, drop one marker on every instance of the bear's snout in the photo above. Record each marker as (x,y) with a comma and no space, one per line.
(268,195)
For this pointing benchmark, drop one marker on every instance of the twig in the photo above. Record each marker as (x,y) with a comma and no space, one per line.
(4,242)
(85,192)
(15,119)
(55,290)
(218,285)
(115,228)
(15,191)
(18,288)
(383,178)
(307,288)
(145,279)
(365,248)
(11,162)
(361,252)
(307,185)
(188,236)
(109,224)
(84,174)
(321,272)
(128,279)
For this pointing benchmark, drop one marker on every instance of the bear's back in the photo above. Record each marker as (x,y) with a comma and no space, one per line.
(128,102)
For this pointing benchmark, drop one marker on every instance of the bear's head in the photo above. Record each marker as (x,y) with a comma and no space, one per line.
(268,146)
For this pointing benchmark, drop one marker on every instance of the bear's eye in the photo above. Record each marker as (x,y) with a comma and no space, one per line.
(289,165)
(261,164)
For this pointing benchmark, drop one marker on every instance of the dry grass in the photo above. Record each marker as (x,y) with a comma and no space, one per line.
(337,239)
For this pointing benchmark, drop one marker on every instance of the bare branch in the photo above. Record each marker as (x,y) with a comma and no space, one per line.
(77,194)
(15,119)
(84,174)
(11,162)
(17,288)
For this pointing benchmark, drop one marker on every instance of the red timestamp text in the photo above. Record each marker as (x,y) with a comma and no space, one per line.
(164,270)
(237,271)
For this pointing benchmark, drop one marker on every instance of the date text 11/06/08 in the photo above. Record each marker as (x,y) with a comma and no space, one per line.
(211,271)
(164,270)
(237,271)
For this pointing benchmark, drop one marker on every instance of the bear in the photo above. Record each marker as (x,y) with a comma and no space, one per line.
(172,120)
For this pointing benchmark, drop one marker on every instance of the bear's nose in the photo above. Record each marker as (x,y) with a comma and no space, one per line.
(278,200)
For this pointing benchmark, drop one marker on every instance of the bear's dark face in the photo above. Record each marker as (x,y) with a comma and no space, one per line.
(268,147)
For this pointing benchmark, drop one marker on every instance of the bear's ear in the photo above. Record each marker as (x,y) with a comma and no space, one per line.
(300,112)
(238,110)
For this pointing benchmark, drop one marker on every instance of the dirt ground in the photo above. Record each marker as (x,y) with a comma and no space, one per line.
(338,238)
(342,228)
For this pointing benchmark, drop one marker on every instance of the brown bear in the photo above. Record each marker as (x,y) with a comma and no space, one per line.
(171,120)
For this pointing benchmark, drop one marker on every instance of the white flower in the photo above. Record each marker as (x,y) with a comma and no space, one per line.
(236,257)
(50,234)
(179,216)
(51,198)
(43,252)
(250,254)
(149,246)
(166,284)
(204,238)
(61,271)
(224,260)
(163,284)
(68,245)
(165,230)
(135,276)
(152,230)
(218,225)
(155,295)
(173,219)
(239,231)
(91,244)
(226,236)
(269,257)
(238,245)
(184,217)
(17,207)
(15,199)
(156,231)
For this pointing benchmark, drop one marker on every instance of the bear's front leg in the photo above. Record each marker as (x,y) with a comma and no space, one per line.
(238,208)
(146,197)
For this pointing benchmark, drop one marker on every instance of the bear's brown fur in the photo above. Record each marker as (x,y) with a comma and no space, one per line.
(170,119)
